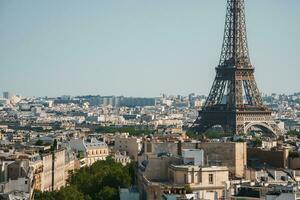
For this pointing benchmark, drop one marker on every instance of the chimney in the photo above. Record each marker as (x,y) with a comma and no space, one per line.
(179,148)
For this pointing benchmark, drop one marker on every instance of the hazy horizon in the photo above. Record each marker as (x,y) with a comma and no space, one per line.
(118,95)
(139,48)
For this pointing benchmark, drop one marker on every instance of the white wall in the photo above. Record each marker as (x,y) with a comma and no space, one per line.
(195,155)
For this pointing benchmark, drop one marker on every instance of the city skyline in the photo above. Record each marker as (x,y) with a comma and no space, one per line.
(149,100)
(139,48)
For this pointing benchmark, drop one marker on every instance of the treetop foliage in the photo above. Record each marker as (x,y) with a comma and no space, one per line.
(97,182)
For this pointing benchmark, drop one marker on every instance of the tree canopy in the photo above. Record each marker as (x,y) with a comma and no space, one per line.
(65,193)
(97,182)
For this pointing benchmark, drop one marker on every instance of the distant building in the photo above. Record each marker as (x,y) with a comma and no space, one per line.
(133,102)
(3,101)
(7,95)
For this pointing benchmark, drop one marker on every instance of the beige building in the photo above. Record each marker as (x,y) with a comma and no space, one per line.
(230,154)
(132,145)
(276,157)
(69,167)
(205,182)
(16,176)
(121,158)
(96,150)
(36,163)
(92,149)
(53,175)
(44,172)
(163,175)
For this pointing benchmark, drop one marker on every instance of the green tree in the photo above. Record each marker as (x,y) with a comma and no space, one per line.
(44,195)
(97,182)
(54,145)
(208,134)
(69,193)
(131,167)
(108,193)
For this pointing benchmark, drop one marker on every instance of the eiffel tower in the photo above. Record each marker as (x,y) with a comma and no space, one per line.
(234,101)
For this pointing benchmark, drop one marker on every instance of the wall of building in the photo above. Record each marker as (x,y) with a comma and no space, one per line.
(219,174)
(294,162)
(37,168)
(70,166)
(282,196)
(157,168)
(20,184)
(194,156)
(129,144)
(253,174)
(59,171)
(46,183)
(154,147)
(194,176)
(95,154)
(189,145)
(230,154)
(275,158)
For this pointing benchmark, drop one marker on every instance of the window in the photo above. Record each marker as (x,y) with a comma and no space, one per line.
(211,178)
(149,147)
(171,176)
(193,177)
(185,178)
(199,177)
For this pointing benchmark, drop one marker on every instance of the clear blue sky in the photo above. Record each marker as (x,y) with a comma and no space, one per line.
(139,47)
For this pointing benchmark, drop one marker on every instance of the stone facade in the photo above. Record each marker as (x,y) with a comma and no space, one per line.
(53,175)
(92,149)
(275,157)
(165,174)
(230,154)
(131,145)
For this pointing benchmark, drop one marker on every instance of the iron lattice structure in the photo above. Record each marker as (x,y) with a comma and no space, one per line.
(234,101)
